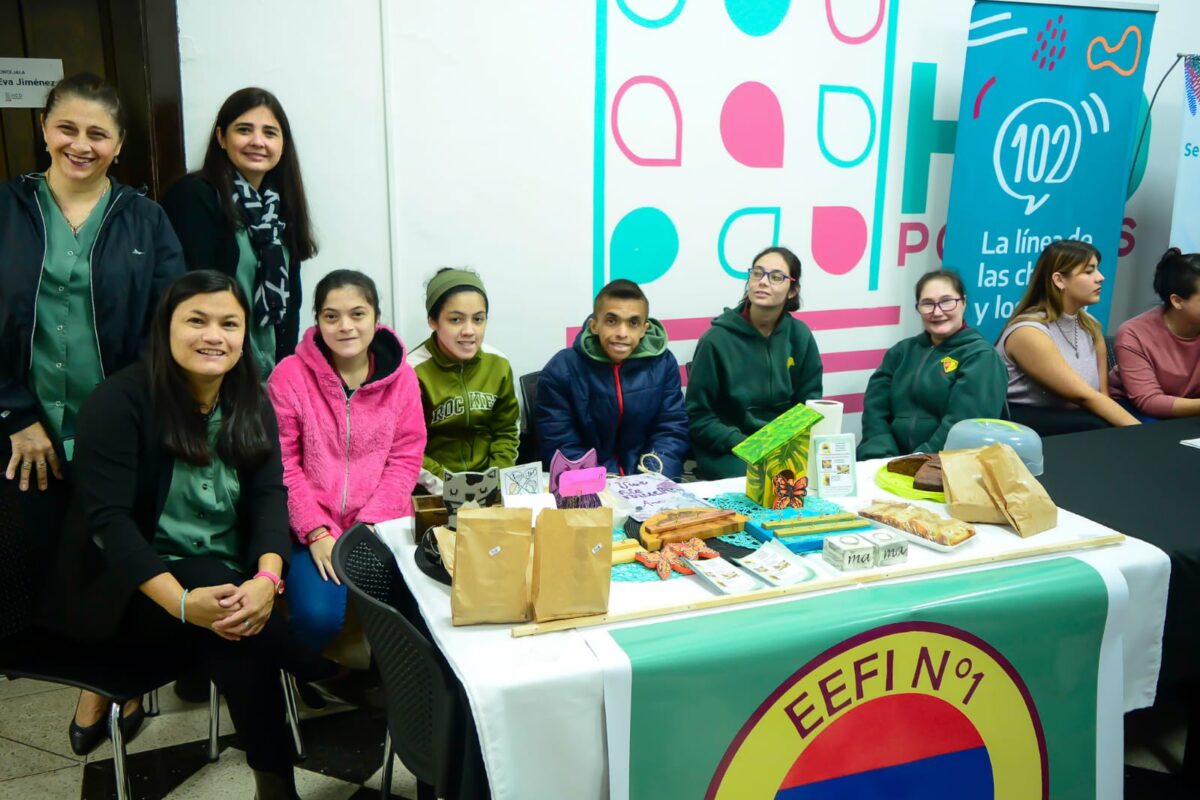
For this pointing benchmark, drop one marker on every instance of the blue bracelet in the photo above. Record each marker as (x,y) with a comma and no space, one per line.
(182,608)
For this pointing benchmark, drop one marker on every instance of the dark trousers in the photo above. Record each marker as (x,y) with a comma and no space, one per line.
(1055,421)
(246,671)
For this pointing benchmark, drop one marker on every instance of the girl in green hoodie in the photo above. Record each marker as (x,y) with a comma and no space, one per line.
(928,382)
(467,390)
(754,363)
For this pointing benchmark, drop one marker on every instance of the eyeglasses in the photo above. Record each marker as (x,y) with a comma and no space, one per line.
(946,304)
(775,276)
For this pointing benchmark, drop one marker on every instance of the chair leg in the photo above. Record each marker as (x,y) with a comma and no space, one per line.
(385,782)
(293,715)
(214,722)
(150,701)
(118,743)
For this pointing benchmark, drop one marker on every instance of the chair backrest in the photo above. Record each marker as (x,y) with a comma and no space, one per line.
(529,394)
(1110,344)
(424,714)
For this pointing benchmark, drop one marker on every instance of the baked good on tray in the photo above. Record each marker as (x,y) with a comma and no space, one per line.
(907,465)
(929,476)
(919,522)
(924,468)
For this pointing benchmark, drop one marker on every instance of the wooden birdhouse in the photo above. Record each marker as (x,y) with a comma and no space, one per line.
(777,459)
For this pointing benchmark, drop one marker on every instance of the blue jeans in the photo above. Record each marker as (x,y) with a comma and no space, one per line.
(316,607)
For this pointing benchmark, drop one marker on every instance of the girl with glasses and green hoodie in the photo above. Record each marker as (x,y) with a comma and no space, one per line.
(930,381)
(467,389)
(754,363)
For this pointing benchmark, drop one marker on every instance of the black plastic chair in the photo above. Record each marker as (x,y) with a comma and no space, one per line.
(424,712)
(1110,344)
(529,450)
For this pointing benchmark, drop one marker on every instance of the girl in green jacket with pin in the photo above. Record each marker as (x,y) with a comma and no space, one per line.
(467,390)
(930,381)
(754,363)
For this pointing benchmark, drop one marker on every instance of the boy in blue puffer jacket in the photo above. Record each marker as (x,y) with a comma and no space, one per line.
(616,389)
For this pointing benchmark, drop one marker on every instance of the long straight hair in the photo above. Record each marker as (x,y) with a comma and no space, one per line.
(284,178)
(1043,300)
(243,440)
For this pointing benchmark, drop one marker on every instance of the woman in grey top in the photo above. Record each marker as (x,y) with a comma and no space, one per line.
(1054,350)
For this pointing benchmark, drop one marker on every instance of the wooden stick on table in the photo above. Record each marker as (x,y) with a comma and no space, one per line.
(536,628)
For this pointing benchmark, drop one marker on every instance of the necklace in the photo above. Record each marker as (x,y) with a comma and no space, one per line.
(1074,342)
(208,415)
(75,228)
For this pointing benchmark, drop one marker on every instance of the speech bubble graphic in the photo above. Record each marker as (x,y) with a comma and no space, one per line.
(1037,145)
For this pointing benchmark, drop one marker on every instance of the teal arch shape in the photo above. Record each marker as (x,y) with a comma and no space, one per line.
(643,246)
(830,157)
(1142,156)
(756,17)
(646,22)
(740,274)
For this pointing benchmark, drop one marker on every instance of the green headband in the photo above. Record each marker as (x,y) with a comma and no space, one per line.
(443,282)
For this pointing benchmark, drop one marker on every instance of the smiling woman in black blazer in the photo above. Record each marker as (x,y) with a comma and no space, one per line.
(178,533)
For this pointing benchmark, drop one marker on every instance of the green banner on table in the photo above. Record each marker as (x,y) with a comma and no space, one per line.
(981,685)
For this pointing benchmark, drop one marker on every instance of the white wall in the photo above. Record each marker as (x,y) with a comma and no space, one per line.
(322,59)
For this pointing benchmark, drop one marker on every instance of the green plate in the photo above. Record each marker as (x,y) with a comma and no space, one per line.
(902,486)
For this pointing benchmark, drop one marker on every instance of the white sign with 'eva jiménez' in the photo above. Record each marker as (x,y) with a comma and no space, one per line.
(25,82)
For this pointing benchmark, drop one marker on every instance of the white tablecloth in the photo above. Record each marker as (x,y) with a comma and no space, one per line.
(538,701)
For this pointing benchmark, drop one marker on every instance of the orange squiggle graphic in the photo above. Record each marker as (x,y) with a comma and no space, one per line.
(1136,31)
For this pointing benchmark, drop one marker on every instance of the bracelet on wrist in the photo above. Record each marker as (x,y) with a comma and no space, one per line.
(183,606)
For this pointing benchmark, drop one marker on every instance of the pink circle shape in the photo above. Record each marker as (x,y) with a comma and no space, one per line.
(752,126)
(839,238)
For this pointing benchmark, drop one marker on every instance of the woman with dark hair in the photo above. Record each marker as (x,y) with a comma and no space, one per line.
(467,389)
(352,435)
(244,213)
(754,363)
(1054,350)
(1158,352)
(83,260)
(177,536)
(930,381)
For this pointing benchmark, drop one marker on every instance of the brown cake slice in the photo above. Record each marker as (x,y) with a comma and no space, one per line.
(929,477)
(908,465)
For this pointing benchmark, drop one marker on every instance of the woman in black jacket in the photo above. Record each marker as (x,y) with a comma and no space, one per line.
(83,261)
(177,536)
(244,213)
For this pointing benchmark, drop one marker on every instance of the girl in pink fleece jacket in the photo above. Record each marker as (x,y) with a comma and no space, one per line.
(352,435)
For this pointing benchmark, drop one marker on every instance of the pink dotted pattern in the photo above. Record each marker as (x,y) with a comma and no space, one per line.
(1051,44)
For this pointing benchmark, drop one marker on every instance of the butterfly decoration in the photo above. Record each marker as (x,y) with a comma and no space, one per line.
(789,490)
(672,557)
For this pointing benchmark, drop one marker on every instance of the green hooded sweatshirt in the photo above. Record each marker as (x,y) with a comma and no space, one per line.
(471,409)
(920,391)
(740,380)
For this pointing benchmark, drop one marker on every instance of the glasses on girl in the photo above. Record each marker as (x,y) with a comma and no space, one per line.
(946,304)
(775,276)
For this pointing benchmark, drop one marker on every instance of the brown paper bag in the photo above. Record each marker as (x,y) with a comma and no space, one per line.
(1019,496)
(491,566)
(962,481)
(572,562)
(445,539)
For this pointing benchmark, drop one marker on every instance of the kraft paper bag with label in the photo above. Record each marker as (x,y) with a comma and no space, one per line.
(1019,496)
(962,481)
(491,566)
(572,562)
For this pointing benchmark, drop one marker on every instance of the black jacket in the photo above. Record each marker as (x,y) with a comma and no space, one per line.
(135,257)
(209,242)
(122,475)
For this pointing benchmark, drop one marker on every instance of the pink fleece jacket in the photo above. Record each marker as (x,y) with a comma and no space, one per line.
(347,460)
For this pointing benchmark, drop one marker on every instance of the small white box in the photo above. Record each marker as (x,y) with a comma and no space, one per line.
(849,551)
(890,548)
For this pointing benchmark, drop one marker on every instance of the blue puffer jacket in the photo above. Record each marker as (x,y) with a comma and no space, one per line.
(623,410)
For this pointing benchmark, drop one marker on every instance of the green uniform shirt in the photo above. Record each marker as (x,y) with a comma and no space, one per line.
(262,337)
(200,516)
(66,357)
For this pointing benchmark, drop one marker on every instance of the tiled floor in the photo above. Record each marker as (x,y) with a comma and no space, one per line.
(345,748)
(168,759)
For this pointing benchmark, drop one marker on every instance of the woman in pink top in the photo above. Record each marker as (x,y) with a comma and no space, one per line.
(1158,352)
(352,434)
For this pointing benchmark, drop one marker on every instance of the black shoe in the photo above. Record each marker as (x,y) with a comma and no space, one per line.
(84,740)
(132,724)
(192,686)
(275,785)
